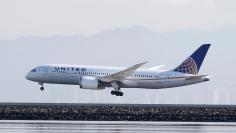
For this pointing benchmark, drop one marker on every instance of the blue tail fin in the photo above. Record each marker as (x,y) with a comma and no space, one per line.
(193,63)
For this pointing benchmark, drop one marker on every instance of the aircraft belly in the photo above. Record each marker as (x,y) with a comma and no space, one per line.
(158,84)
(141,84)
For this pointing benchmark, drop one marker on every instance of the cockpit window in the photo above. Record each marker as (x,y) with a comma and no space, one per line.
(34,70)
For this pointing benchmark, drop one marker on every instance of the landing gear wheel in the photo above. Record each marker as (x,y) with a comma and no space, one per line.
(121,93)
(41,88)
(117,93)
(112,92)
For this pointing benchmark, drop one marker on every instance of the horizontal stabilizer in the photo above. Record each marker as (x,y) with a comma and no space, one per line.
(197,77)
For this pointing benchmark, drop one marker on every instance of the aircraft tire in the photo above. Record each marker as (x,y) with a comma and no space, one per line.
(118,93)
(112,92)
(41,88)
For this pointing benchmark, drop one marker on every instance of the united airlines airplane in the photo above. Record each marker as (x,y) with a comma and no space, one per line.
(97,77)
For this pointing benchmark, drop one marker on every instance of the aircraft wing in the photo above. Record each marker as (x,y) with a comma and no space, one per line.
(119,76)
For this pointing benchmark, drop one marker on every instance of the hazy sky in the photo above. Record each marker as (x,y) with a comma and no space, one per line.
(117,33)
(70,17)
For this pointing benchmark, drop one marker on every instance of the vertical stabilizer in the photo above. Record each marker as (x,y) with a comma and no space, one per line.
(193,63)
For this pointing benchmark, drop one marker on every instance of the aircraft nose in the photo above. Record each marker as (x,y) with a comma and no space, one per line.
(206,79)
(27,76)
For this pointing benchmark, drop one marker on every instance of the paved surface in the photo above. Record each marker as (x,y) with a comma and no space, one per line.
(117,112)
(18,126)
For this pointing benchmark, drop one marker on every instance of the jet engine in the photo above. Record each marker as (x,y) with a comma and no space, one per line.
(88,82)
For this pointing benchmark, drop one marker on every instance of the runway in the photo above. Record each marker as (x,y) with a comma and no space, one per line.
(114,127)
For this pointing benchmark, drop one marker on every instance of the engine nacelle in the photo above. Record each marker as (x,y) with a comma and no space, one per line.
(89,83)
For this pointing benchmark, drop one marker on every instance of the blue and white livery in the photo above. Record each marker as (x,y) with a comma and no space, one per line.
(97,77)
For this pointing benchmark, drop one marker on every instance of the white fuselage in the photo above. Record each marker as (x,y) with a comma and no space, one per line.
(142,78)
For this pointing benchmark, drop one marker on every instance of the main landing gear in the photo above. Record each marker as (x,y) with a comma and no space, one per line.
(117,93)
(117,90)
(41,88)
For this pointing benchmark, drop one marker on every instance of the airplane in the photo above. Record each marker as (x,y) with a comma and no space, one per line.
(98,77)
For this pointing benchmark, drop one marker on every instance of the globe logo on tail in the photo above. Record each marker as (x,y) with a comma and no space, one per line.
(189,66)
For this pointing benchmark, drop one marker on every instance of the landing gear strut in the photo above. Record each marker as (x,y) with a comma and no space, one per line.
(41,88)
(117,90)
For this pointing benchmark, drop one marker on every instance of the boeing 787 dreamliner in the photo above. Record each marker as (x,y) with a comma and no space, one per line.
(98,77)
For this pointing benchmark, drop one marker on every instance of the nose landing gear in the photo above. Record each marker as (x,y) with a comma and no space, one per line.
(41,88)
